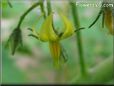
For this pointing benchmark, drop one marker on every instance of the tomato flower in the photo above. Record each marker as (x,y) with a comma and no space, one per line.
(48,34)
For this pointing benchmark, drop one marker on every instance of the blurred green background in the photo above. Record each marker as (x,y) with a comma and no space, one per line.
(33,63)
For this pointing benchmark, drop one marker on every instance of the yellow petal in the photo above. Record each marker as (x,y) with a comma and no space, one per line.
(46,32)
(109,20)
(55,51)
(68,29)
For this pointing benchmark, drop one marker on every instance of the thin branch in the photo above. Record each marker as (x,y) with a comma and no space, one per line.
(78,37)
(49,7)
(99,14)
(42,8)
(30,9)
(79,29)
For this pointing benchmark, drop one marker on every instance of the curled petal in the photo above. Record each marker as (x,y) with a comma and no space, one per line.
(46,32)
(68,29)
(109,20)
(55,51)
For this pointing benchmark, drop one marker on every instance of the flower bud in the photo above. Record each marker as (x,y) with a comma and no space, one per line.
(15,39)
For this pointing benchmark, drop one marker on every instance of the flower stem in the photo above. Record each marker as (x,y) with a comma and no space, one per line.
(42,8)
(49,7)
(23,16)
(57,70)
(78,37)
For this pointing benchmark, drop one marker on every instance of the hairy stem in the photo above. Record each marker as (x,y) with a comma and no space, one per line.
(78,37)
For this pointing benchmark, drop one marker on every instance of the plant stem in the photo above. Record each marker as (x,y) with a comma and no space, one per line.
(42,8)
(78,37)
(49,7)
(23,16)
(49,11)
